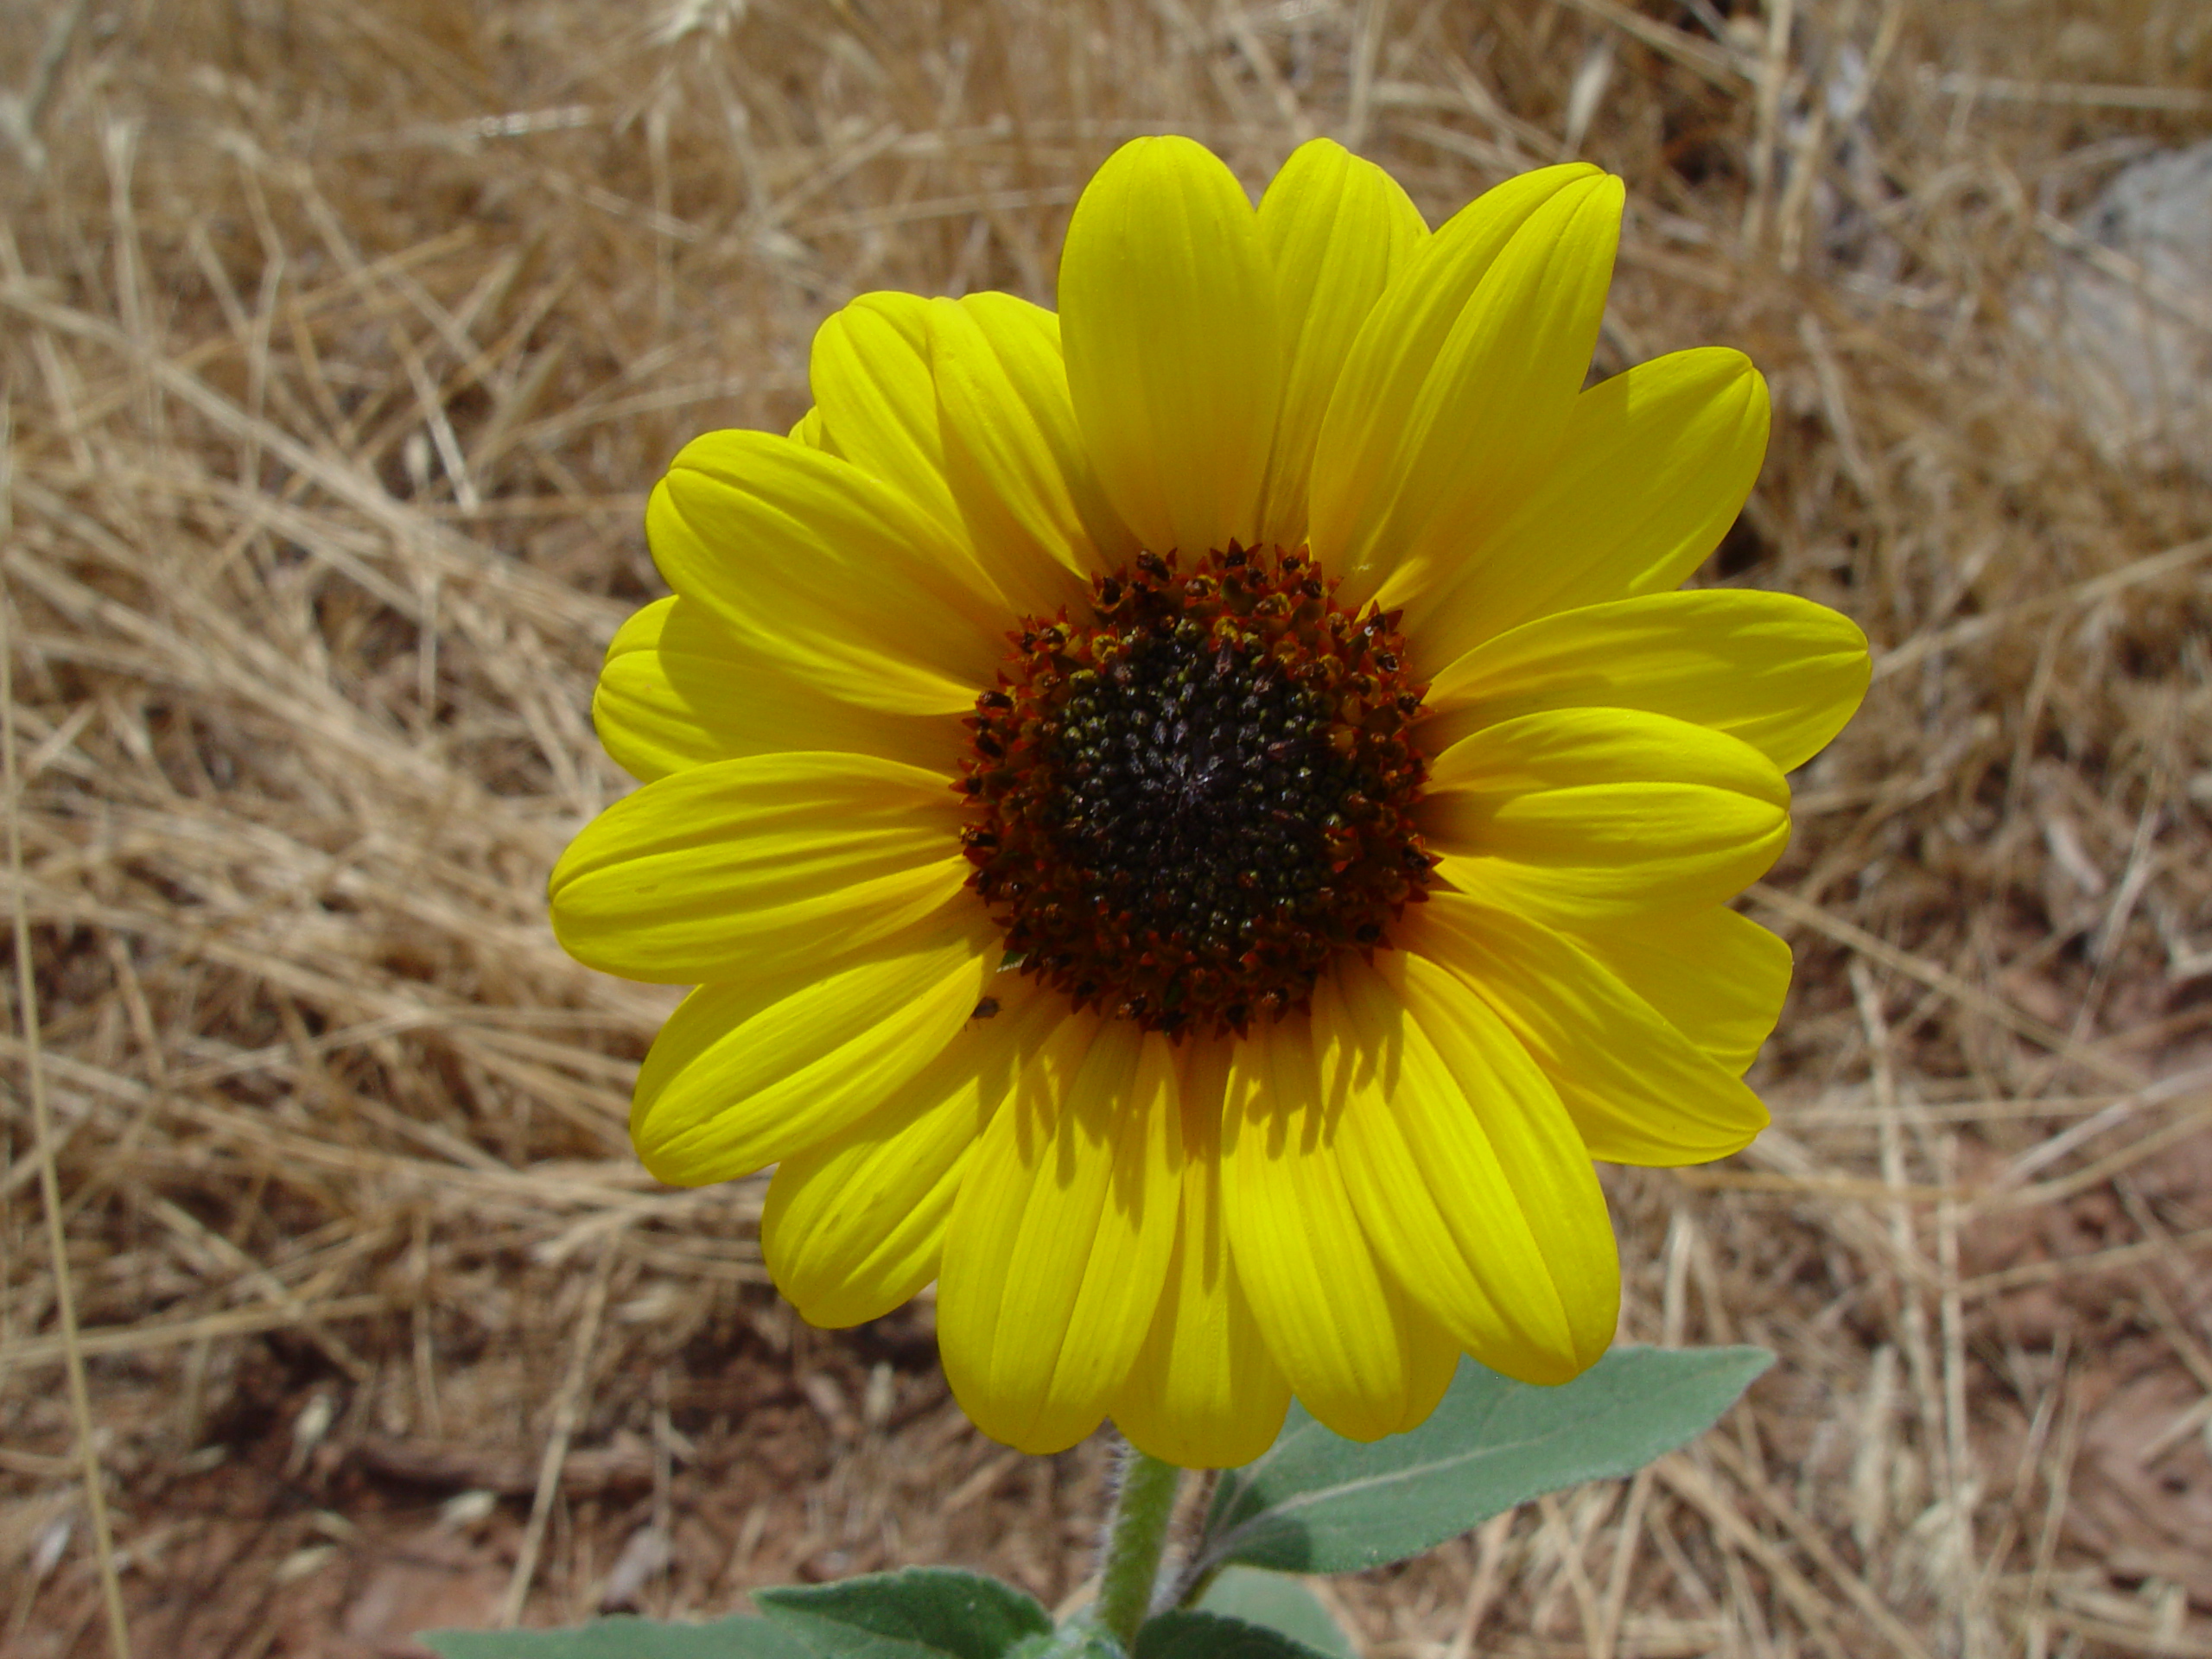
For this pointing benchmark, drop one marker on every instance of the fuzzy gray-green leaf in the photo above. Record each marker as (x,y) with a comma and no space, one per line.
(1279,1602)
(930,1613)
(1213,1636)
(624,1638)
(1315,1502)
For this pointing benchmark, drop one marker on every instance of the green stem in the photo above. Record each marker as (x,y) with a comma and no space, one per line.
(1135,1539)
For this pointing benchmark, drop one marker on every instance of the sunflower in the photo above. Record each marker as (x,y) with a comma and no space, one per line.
(1193,820)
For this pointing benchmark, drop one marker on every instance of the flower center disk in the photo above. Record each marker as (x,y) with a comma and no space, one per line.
(1183,807)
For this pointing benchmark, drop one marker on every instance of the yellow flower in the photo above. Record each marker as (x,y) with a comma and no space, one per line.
(1195,819)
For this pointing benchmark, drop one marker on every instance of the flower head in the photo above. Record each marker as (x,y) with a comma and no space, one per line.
(1195,819)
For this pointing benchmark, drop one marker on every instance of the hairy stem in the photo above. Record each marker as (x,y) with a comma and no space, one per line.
(1135,1539)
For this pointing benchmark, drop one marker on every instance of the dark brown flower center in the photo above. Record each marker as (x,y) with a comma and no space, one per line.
(1184,806)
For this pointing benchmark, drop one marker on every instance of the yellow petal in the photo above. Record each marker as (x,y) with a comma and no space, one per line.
(855,1223)
(1336,229)
(1653,468)
(840,578)
(1204,1392)
(1488,421)
(1363,1357)
(679,691)
(1718,977)
(1638,1090)
(764,865)
(809,430)
(1169,317)
(1371,434)
(1059,1240)
(1024,485)
(1780,672)
(1465,1170)
(749,1072)
(870,372)
(1582,814)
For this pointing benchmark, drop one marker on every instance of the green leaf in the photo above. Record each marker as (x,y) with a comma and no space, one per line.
(1315,1502)
(1076,1639)
(923,1612)
(1212,1636)
(624,1638)
(1281,1603)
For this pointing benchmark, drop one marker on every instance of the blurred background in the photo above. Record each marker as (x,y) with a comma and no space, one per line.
(340,341)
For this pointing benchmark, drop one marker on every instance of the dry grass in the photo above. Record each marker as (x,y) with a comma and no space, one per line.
(339,342)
